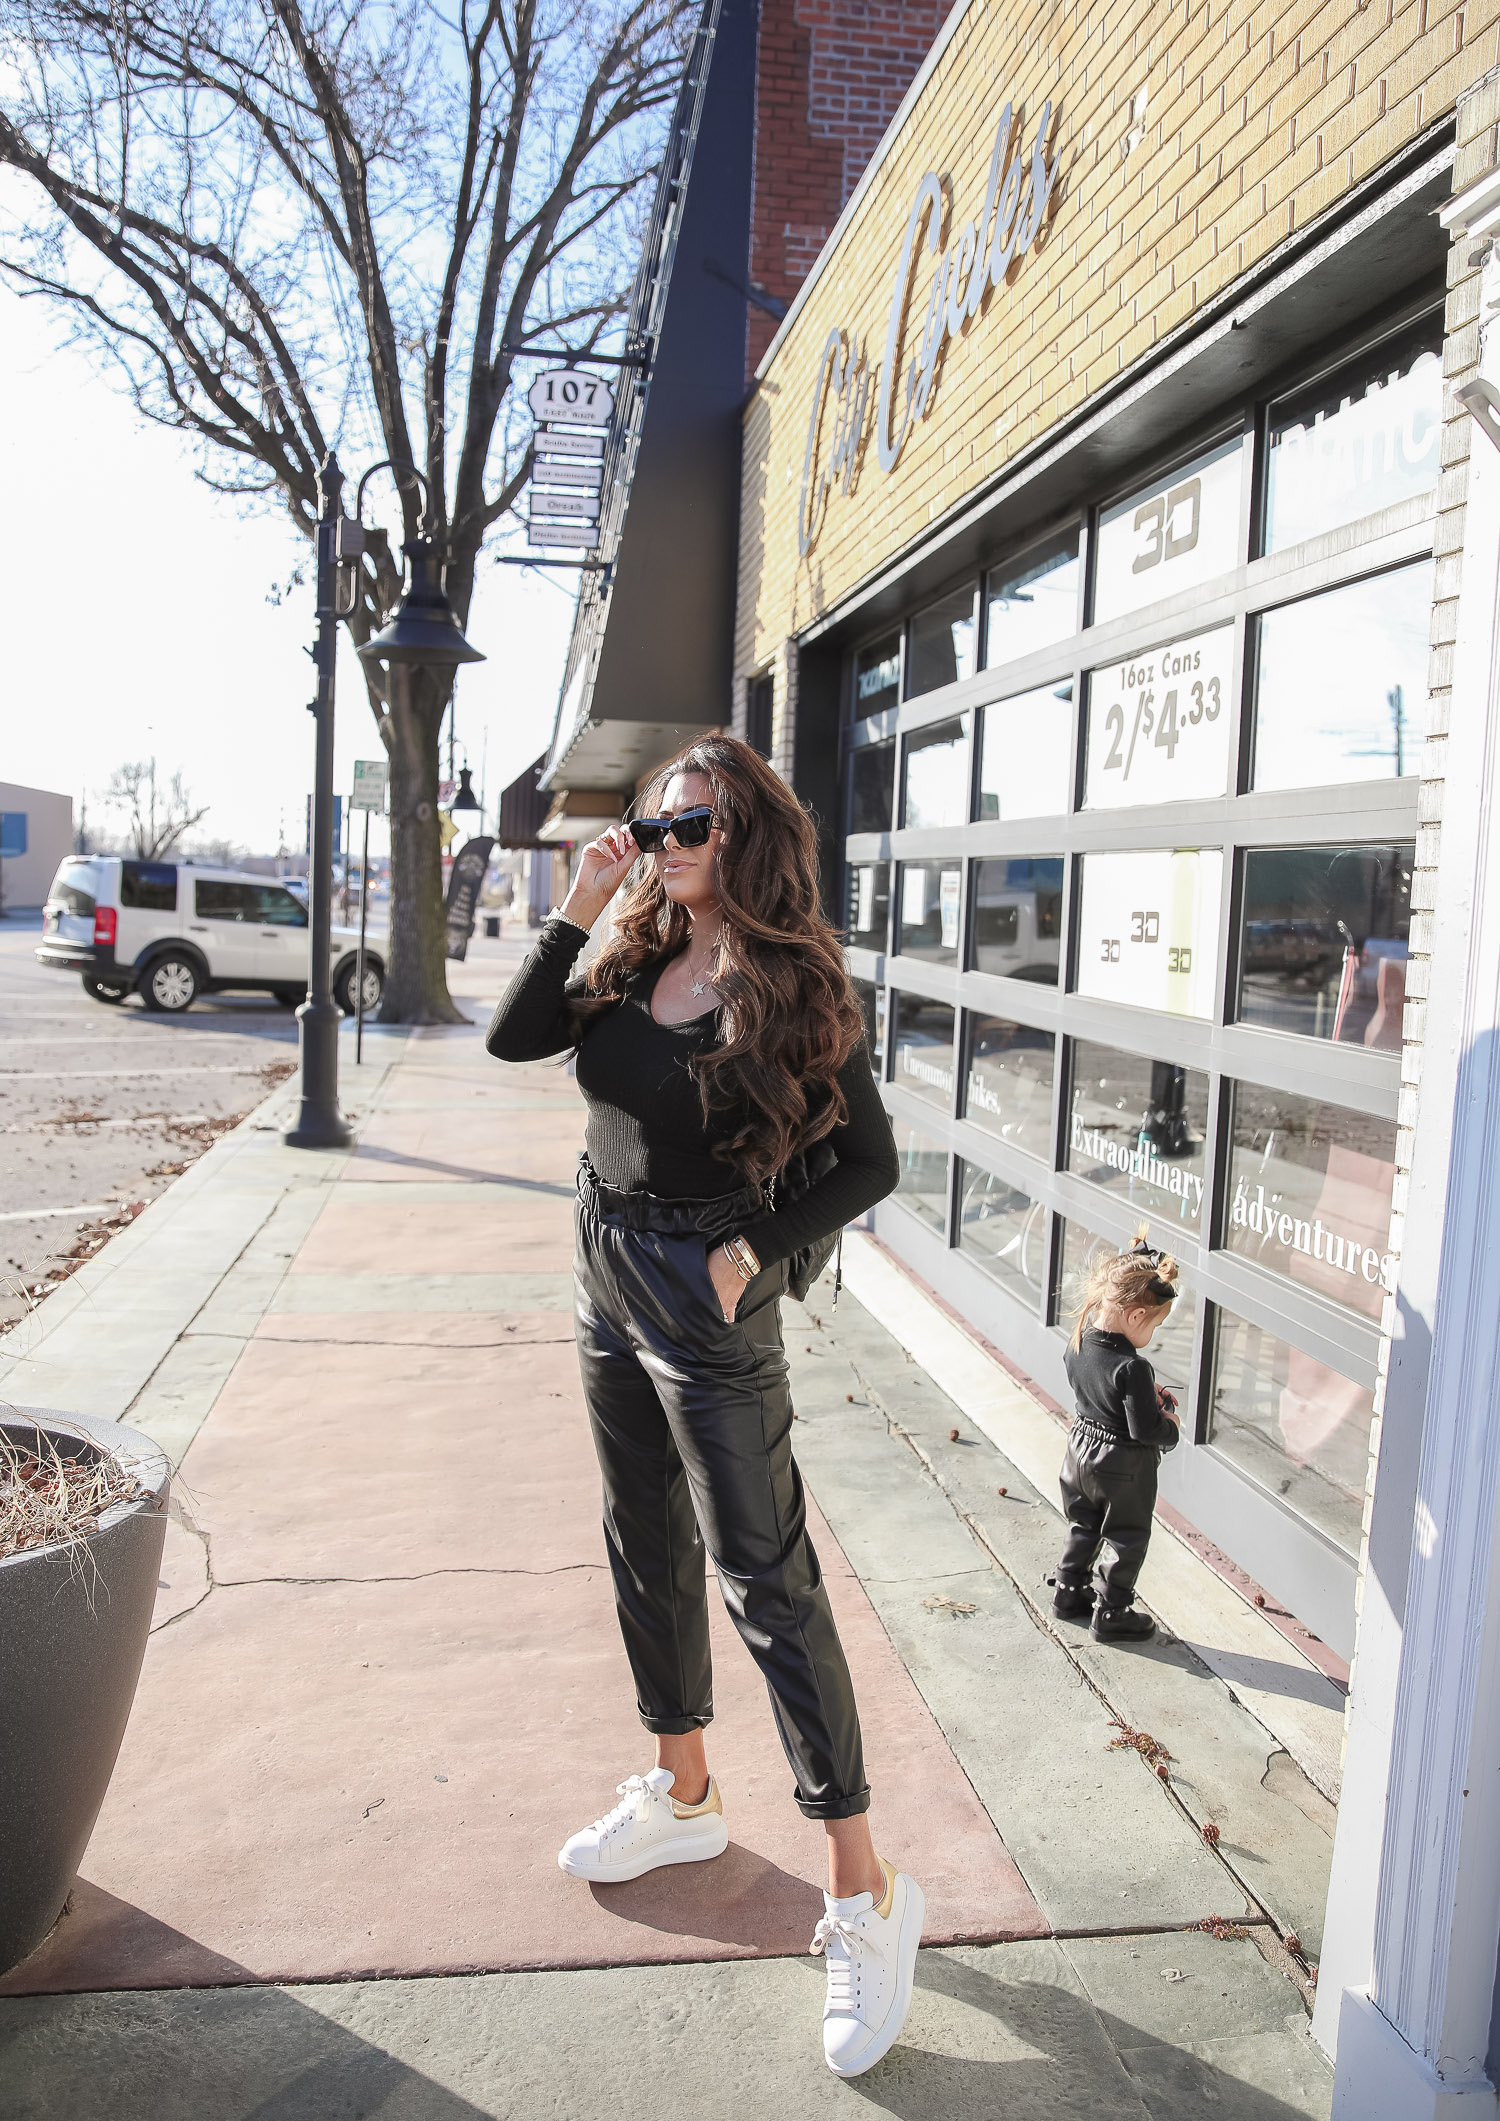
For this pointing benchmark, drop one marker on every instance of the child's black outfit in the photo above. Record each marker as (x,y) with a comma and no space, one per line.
(1109,1472)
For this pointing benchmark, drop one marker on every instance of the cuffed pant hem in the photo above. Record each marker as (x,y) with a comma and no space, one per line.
(674,1726)
(835,1807)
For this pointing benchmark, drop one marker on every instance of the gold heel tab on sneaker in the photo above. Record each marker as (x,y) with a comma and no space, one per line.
(884,1909)
(711,1803)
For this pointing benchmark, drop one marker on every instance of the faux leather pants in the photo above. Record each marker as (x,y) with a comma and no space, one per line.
(1108,1494)
(692,1423)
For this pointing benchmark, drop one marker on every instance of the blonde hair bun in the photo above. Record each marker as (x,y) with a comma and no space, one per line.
(1141,1279)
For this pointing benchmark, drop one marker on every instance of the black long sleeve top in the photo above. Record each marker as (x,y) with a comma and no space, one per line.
(646,1127)
(1115,1390)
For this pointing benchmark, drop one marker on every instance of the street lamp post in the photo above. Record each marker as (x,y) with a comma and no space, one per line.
(320,1124)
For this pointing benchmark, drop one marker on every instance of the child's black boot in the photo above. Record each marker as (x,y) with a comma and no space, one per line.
(1070,1604)
(1121,1623)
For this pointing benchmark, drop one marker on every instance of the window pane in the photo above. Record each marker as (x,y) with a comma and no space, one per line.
(279,909)
(1159,723)
(1341,693)
(940,643)
(872,775)
(936,791)
(1170,1353)
(1293,1425)
(75,889)
(1171,535)
(928,919)
(877,677)
(1004,1232)
(1323,948)
(923,1185)
(1008,1082)
(1032,602)
(1310,1195)
(869,904)
(1148,929)
(924,1049)
(226,902)
(1026,753)
(1362,439)
(1017,928)
(1136,1127)
(871,1000)
(152,886)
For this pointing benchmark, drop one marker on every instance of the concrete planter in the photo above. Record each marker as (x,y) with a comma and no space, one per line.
(73,1627)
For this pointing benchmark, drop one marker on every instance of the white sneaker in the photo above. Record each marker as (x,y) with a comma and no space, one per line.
(646,1828)
(871,1958)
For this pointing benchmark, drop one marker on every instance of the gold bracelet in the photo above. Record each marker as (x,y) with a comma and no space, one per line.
(741,1258)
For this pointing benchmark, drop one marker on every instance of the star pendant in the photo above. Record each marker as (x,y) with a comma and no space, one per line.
(698,987)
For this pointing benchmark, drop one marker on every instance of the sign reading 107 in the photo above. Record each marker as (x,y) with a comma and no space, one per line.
(1159,724)
(572,395)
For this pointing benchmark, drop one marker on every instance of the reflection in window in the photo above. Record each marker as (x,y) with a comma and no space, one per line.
(868,904)
(1170,1353)
(1293,1425)
(1324,942)
(1342,686)
(1008,1082)
(924,1049)
(936,791)
(1026,753)
(1136,1127)
(1171,535)
(1017,930)
(923,1184)
(1310,1195)
(940,643)
(877,677)
(872,1000)
(278,909)
(872,774)
(1362,439)
(215,901)
(1004,1232)
(1032,602)
(929,911)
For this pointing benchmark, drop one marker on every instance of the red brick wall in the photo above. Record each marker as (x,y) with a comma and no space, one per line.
(829,78)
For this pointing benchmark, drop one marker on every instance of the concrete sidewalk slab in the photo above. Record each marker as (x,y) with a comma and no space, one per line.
(430,1329)
(444,1141)
(374,1777)
(475,1234)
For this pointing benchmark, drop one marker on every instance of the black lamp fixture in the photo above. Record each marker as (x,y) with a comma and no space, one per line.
(465,799)
(424,629)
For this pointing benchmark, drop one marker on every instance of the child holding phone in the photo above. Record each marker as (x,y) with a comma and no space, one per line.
(1124,1422)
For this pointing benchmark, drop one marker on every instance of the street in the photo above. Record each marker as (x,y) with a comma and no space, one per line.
(101,1108)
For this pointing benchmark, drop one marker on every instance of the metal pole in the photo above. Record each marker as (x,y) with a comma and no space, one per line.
(320,1124)
(359,977)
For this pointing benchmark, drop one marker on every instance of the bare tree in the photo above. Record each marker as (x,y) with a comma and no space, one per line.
(156,818)
(289,226)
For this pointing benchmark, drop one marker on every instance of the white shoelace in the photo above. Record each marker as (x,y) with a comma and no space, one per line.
(635,1793)
(843,1966)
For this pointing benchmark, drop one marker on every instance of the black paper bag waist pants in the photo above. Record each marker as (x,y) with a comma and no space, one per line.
(692,1418)
(1108,1495)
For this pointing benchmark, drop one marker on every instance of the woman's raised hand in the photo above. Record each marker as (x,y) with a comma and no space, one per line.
(602,868)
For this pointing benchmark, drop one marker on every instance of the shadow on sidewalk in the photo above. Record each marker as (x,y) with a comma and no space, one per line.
(754,1903)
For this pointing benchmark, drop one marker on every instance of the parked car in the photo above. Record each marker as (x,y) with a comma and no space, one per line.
(170,931)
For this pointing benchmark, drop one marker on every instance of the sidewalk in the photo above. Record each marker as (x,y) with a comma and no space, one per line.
(385,1681)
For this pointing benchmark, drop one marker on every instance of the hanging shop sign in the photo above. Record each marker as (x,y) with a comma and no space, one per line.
(573,411)
(978,256)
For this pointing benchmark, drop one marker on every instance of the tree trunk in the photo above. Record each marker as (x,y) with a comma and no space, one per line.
(416,984)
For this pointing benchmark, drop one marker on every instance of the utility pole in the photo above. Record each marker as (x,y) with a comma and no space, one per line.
(320,1124)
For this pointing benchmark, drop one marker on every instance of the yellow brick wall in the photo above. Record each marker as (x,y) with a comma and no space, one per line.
(1257,119)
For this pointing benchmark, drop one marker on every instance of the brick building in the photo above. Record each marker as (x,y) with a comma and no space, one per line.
(1118,566)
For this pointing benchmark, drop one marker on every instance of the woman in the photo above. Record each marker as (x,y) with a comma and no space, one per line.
(717,1040)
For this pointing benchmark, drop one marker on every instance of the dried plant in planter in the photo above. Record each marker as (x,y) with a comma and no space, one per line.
(48,1500)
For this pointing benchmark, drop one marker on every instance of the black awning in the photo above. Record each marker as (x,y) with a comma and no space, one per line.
(523,806)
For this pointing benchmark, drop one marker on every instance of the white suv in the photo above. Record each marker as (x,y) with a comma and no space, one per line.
(171,932)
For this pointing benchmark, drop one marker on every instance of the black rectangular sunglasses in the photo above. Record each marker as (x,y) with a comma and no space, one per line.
(691,829)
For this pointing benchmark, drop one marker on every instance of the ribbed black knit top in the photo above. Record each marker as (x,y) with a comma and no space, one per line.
(645,1126)
(1115,1388)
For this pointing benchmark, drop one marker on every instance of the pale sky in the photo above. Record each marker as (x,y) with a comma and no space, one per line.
(138,620)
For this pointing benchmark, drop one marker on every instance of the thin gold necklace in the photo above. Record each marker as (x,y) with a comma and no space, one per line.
(700,986)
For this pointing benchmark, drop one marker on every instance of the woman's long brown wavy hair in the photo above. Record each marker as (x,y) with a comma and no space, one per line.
(789,1014)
